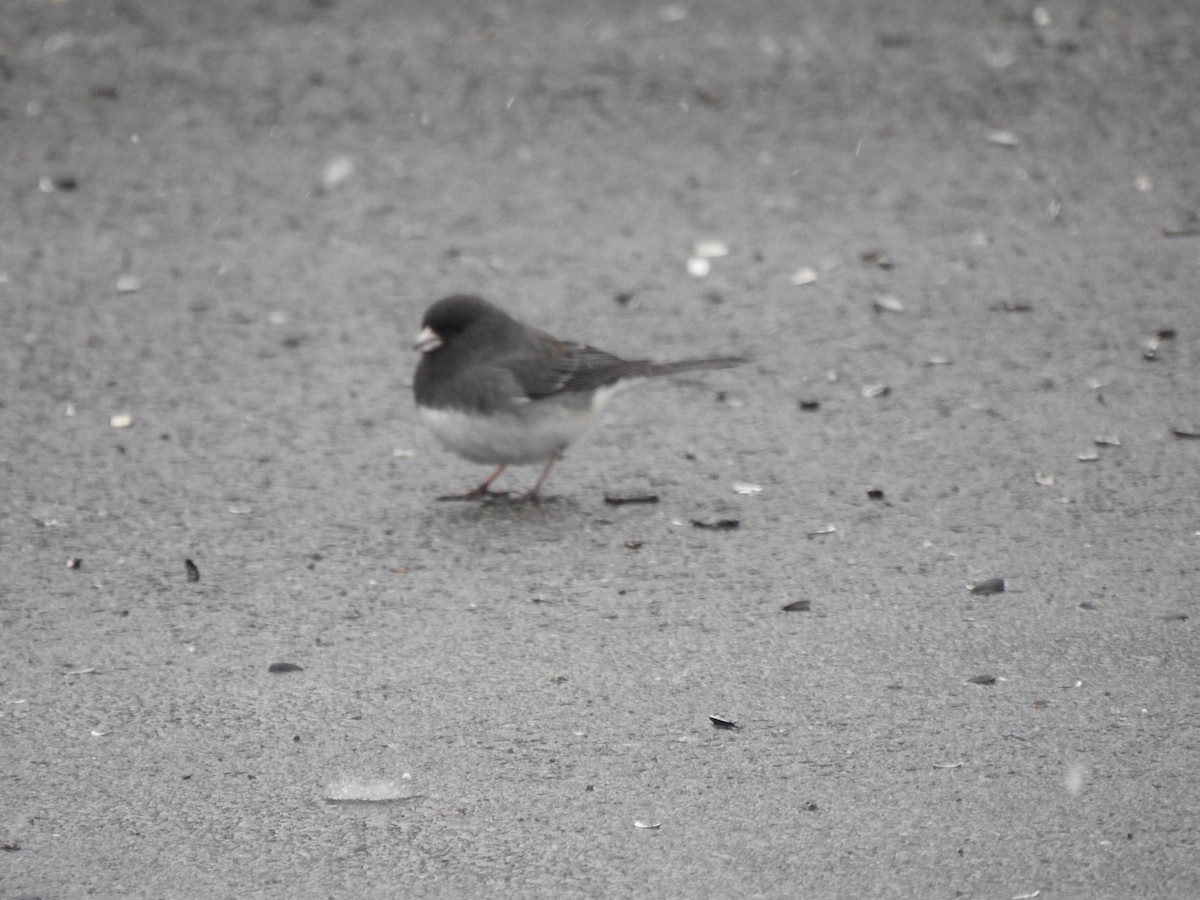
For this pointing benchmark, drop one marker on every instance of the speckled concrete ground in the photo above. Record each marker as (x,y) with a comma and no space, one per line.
(223,221)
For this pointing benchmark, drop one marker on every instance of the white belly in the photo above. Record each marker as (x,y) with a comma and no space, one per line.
(528,434)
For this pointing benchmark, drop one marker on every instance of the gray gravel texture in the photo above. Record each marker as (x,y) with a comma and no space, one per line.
(171,251)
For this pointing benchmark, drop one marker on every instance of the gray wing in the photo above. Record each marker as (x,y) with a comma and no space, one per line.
(561,367)
(558,367)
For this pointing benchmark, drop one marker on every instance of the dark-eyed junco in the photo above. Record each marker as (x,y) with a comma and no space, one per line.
(498,392)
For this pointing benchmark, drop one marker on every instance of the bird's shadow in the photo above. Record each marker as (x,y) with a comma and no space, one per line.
(501,506)
(509,499)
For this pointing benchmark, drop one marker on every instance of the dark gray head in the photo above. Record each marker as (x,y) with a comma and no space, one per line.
(455,314)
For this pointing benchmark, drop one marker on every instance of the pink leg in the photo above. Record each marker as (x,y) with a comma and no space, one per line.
(531,495)
(482,490)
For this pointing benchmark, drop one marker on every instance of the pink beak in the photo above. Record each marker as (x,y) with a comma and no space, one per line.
(427,341)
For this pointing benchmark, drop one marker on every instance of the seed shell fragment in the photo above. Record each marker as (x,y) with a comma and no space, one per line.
(717,523)
(724,724)
(991,586)
(802,276)
(337,172)
(618,499)
(1003,138)
(878,258)
(1151,344)
(888,303)
(710,249)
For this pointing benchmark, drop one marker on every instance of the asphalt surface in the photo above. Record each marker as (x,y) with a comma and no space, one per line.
(966,232)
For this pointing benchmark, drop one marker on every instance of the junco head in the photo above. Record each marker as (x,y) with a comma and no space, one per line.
(498,392)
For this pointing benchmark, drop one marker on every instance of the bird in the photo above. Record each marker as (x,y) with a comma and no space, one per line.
(498,392)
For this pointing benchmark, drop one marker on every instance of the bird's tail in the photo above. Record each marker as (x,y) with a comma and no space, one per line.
(650,369)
